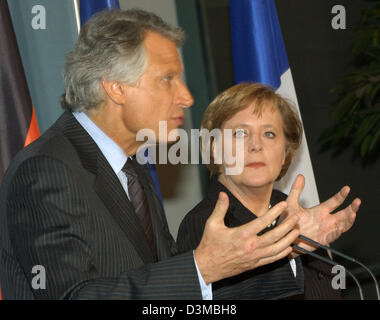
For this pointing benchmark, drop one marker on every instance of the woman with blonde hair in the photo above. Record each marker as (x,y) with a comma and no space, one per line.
(271,132)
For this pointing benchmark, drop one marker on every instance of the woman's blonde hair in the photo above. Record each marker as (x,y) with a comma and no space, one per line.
(255,95)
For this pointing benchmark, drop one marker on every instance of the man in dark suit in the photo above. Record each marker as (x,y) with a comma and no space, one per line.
(77,205)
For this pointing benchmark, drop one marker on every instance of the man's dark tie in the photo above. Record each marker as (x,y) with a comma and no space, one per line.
(138,199)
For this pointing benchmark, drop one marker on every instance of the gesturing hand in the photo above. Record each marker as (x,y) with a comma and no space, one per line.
(224,252)
(318,223)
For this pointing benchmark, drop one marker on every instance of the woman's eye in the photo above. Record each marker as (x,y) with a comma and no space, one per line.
(270,134)
(239,133)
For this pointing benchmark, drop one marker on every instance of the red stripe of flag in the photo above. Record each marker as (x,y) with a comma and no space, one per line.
(18,125)
(33,132)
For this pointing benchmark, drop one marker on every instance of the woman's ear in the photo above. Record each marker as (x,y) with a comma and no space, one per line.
(216,156)
(217,150)
(115,91)
(213,148)
(286,153)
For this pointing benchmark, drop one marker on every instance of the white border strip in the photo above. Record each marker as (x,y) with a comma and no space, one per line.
(301,162)
(76,12)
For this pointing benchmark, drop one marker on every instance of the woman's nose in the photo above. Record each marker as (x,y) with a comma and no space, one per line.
(255,144)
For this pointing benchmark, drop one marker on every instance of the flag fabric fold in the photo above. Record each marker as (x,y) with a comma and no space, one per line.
(259,55)
(89,7)
(18,125)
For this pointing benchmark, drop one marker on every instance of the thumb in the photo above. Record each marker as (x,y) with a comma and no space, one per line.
(220,209)
(296,190)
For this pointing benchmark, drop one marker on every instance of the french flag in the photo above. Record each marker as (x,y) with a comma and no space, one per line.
(259,55)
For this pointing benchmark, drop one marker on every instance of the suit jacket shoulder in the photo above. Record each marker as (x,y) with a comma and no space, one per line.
(62,207)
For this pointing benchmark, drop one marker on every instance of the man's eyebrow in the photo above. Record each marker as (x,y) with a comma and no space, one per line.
(169,73)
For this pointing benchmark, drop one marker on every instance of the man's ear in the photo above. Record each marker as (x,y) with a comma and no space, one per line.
(115,91)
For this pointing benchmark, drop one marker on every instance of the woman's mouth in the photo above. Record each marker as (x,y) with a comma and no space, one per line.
(256,165)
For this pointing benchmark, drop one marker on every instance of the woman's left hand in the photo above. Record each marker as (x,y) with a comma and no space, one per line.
(318,223)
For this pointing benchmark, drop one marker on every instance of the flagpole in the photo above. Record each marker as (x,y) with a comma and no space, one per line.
(77,14)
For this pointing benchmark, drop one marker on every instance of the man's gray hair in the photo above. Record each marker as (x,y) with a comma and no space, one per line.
(110,45)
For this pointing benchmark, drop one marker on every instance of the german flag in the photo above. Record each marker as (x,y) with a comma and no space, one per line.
(18,125)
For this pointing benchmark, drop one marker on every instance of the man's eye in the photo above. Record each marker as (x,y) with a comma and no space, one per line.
(240,133)
(167,78)
(270,134)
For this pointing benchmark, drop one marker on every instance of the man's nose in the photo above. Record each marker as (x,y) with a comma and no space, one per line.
(185,98)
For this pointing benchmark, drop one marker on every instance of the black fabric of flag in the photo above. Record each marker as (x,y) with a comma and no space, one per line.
(16,110)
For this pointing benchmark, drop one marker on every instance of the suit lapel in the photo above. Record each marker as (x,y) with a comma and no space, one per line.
(107,185)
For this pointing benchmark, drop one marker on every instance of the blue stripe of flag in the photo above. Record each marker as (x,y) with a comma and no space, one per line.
(258,49)
(89,7)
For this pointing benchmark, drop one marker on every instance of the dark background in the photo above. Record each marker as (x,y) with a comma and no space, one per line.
(318,56)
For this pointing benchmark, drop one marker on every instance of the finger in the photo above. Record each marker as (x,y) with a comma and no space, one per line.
(336,200)
(220,209)
(255,226)
(281,245)
(279,231)
(296,190)
(346,217)
(277,257)
(355,205)
(275,250)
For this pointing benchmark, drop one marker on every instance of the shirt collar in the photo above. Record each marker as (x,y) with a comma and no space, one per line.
(111,151)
